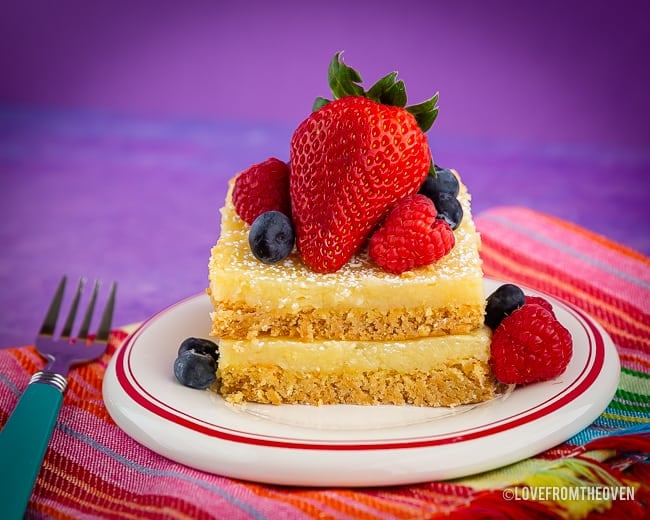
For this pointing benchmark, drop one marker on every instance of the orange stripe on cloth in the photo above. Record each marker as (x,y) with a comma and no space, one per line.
(633,358)
(85,391)
(569,254)
(29,360)
(444,495)
(429,500)
(620,319)
(356,504)
(500,263)
(295,500)
(623,338)
(70,484)
(590,235)
(535,266)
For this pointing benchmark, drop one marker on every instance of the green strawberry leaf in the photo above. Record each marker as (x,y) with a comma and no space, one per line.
(395,95)
(388,91)
(432,169)
(425,113)
(378,90)
(343,80)
(319,103)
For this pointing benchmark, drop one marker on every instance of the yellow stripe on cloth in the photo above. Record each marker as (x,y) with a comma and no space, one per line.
(560,485)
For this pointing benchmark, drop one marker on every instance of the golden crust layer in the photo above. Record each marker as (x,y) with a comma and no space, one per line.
(463,382)
(241,322)
(360,301)
(254,301)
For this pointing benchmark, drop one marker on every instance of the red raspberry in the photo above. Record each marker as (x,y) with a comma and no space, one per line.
(538,300)
(263,187)
(411,236)
(530,345)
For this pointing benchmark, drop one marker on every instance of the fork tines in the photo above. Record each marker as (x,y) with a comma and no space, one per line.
(49,324)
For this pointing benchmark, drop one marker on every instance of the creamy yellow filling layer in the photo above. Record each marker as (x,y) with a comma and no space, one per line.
(289,286)
(424,354)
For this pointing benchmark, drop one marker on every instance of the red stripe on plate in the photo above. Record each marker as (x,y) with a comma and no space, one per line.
(588,375)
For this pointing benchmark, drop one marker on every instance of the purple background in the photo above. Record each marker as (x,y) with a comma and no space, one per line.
(120,121)
(567,71)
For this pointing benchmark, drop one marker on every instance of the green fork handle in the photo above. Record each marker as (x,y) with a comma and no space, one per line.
(23,442)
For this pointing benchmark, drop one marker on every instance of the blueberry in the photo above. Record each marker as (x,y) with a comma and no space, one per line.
(195,369)
(449,209)
(502,302)
(271,237)
(200,346)
(444,181)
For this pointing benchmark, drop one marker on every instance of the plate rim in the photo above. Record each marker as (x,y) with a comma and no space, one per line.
(575,389)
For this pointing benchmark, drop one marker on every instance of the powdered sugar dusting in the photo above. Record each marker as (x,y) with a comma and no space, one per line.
(232,258)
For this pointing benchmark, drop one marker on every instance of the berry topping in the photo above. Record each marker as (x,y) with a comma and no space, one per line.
(538,300)
(196,364)
(351,160)
(271,237)
(449,209)
(530,345)
(410,236)
(263,187)
(201,346)
(442,181)
(502,302)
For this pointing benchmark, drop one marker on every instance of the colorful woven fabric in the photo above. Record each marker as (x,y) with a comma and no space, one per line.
(93,469)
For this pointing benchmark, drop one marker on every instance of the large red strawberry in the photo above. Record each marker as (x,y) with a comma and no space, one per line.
(351,160)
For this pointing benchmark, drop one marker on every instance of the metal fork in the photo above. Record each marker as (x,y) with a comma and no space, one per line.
(26,435)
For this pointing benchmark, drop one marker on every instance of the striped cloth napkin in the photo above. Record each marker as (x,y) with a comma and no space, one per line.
(94,470)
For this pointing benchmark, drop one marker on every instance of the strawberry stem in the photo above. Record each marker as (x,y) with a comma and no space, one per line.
(425,113)
(388,90)
(319,103)
(343,80)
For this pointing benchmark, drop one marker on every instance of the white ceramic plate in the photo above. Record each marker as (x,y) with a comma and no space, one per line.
(344,445)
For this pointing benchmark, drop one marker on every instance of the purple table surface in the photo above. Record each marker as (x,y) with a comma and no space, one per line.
(120,122)
(137,200)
